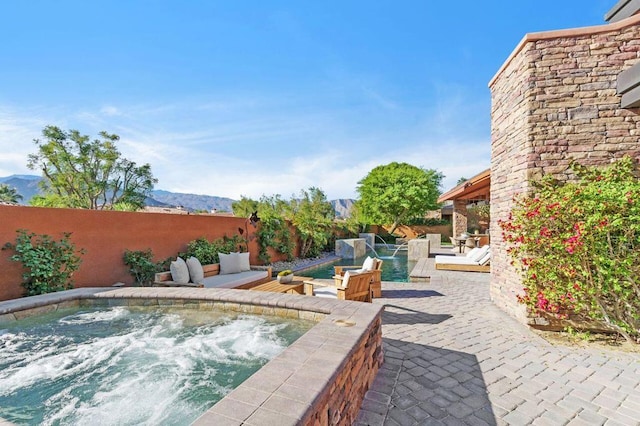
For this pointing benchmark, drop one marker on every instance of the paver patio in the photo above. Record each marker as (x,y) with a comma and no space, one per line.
(453,358)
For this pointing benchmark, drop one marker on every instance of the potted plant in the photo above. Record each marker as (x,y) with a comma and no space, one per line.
(285,277)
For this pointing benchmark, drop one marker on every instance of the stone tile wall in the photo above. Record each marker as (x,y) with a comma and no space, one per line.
(555,100)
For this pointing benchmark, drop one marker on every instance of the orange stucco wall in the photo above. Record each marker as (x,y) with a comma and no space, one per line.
(105,235)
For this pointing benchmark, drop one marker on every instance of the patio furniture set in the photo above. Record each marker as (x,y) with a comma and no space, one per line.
(358,282)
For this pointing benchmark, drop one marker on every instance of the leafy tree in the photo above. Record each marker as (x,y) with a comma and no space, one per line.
(88,174)
(273,231)
(9,194)
(244,207)
(396,192)
(577,246)
(461,180)
(356,222)
(313,217)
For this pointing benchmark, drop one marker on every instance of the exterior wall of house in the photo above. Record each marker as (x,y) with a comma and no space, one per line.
(105,235)
(553,101)
(459,217)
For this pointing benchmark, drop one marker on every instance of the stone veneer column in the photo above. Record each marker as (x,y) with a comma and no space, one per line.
(459,217)
(554,101)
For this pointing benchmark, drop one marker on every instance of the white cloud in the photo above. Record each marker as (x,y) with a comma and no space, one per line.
(17,132)
(253,146)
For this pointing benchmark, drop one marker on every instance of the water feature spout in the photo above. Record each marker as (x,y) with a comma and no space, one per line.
(383,241)
(372,249)
(399,247)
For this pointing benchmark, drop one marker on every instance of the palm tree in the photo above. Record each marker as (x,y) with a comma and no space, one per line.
(9,194)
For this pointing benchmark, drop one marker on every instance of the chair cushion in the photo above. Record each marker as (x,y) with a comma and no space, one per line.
(480,254)
(196,273)
(325,291)
(473,252)
(229,263)
(345,279)
(456,260)
(485,259)
(368,264)
(179,271)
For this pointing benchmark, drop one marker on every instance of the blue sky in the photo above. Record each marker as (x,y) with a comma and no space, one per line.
(247,97)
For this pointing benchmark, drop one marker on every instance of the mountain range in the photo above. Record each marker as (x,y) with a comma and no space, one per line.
(27,186)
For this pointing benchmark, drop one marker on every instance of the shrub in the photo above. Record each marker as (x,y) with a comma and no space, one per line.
(207,251)
(49,265)
(141,266)
(578,246)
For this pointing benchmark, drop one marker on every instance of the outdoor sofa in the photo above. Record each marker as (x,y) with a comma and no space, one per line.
(226,274)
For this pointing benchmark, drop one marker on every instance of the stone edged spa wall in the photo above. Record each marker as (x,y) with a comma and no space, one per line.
(555,100)
(340,404)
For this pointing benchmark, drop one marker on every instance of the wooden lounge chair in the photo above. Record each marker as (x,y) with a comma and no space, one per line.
(477,260)
(353,287)
(376,269)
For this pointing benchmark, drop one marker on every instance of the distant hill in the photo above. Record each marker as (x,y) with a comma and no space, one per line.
(343,207)
(192,201)
(27,186)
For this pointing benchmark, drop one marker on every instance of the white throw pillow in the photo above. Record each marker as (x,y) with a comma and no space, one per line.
(179,271)
(368,264)
(229,263)
(196,273)
(244,262)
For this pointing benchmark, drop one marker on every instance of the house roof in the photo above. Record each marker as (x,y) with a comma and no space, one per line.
(476,188)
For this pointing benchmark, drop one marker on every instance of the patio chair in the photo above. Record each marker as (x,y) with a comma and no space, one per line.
(472,242)
(370,264)
(354,286)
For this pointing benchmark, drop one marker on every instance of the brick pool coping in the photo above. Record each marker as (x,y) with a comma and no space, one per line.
(320,379)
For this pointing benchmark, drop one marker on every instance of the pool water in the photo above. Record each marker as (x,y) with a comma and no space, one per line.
(130,366)
(394,268)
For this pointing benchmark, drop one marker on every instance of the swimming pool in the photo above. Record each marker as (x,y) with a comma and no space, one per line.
(395,267)
(132,365)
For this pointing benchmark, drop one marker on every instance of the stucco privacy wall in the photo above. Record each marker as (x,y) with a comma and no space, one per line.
(105,235)
(555,100)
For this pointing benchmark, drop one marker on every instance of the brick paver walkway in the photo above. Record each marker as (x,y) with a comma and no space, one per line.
(453,358)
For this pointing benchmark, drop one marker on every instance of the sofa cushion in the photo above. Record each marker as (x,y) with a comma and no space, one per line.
(196,273)
(234,280)
(229,263)
(179,271)
(244,262)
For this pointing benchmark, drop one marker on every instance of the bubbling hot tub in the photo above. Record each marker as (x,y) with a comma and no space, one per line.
(311,381)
